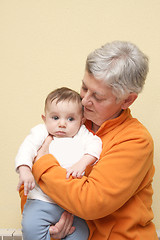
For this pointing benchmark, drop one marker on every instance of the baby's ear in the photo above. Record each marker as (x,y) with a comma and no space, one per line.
(43,118)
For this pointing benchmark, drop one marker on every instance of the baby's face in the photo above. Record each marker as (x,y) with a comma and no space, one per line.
(63,119)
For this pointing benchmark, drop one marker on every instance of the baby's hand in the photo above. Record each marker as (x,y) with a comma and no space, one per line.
(26,178)
(78,168)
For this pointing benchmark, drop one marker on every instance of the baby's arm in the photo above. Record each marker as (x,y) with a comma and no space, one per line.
(79,167)
(26,154)
(92,150)
(26,178)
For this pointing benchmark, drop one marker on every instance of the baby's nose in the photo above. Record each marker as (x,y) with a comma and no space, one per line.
(62,123)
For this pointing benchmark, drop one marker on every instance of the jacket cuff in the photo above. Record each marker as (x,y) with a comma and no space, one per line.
(43,164)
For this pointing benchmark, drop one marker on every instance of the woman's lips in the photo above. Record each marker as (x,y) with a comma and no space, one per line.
(87,109)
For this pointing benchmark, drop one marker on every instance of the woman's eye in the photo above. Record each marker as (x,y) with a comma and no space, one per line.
(84,88)
(70,119)
(55,117)
(97,99)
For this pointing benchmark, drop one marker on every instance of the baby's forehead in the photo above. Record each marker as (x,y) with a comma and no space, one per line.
(70,106)
(73,102)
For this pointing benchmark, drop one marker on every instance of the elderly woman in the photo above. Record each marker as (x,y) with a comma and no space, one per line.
(115,195)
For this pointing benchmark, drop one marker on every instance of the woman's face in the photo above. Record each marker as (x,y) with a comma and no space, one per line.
(98,100)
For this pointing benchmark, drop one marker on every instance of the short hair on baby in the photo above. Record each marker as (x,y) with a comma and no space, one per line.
(62,94)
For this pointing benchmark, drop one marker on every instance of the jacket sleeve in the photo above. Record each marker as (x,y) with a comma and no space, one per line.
(112,182)
(23,198)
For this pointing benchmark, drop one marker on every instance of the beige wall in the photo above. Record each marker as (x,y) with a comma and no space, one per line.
(43,45)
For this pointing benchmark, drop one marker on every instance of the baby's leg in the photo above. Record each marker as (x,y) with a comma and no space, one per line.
(37,218)
(81,232)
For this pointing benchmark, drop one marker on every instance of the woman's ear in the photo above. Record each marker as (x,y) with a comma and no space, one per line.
(43,118)
(129,100)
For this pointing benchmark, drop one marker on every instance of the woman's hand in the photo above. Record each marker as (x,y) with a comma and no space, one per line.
(44,148)
(64,227)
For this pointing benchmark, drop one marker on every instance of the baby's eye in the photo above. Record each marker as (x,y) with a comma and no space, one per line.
(55,117)
(70,119)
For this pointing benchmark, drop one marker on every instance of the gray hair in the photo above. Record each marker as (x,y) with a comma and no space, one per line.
(121,65)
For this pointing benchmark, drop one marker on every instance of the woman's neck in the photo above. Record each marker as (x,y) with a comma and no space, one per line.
(95,127)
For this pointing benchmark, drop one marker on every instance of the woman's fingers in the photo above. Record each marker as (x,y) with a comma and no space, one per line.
(64,227)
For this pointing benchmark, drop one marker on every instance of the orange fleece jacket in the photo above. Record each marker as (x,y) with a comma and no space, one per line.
(115,196)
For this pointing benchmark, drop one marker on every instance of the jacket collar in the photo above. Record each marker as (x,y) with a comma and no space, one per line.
(108,125)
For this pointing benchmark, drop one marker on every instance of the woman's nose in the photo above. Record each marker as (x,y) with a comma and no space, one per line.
(86,100)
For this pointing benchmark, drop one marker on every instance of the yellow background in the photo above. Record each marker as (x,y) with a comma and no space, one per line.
(43,45)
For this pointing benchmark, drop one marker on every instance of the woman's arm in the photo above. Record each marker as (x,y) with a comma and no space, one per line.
(112,181)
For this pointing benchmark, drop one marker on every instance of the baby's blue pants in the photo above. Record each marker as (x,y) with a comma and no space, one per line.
(39,215)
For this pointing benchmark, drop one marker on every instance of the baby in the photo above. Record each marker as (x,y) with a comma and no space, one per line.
(73,146)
